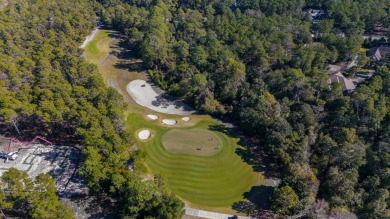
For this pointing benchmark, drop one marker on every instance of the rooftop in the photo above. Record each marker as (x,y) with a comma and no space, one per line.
(346,83)
(377,53)
(316,14)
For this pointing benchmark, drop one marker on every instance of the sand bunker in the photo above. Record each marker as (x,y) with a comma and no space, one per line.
(152,117)
(144,134)
(169,122)
(185,119)
(144,94)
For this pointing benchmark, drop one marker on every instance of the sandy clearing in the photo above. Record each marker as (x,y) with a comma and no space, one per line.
(152,117)
(144,134)
(89,38)
(185,119)
(169,122)
(143,93)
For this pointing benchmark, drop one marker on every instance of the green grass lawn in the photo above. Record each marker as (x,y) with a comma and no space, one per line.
(213,181)
(363,50)
(92,47)
(199,142)
(206,182)
(362,70)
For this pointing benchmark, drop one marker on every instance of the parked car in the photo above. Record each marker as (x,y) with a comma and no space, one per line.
(9,156)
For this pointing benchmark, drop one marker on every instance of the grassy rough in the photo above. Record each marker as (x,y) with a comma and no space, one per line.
(94,47)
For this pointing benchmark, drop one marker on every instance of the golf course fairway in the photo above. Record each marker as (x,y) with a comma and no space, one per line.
(205,181)
(212,182)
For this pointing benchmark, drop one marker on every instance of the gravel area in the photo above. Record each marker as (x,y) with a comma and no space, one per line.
(61,162)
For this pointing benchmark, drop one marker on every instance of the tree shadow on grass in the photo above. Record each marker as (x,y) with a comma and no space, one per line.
(130,66)
(249,150)
(248,156)
(260,196)
(258,199)
(127,53)
(221,128)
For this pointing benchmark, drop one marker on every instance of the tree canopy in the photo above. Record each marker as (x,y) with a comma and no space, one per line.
(22,196)
(263,65)
(259,63)
(48,89)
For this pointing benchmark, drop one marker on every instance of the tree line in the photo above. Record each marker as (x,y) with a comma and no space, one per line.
(48,89)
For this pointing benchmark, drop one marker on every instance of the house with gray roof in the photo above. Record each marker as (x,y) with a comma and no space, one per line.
(377,53)
(347,84)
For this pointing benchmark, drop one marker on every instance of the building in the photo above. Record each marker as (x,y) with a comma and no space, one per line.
(366,75)
(347,84)
(377,53)
(316,14)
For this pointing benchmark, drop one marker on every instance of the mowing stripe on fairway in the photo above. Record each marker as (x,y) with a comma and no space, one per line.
(213,181)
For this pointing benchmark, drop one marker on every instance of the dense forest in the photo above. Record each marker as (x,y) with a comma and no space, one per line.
(262,64)
(39,202)
(48,89)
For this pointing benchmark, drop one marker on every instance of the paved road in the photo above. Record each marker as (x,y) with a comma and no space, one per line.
(209,214)
(375,37)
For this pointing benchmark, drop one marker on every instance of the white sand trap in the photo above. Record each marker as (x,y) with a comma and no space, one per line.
(169,122)
(185,119)
(144,134)
(152,117)
(144,94)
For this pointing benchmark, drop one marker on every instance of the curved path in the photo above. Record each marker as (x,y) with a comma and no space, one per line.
(190,171)
(89,38)
(209,214)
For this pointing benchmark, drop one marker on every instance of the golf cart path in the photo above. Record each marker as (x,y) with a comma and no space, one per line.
(89,38)
(148,94)
(210,214)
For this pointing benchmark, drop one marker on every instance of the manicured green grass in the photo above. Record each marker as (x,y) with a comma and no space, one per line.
(209,182)
(199,142)
(92,47)
(214,181)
